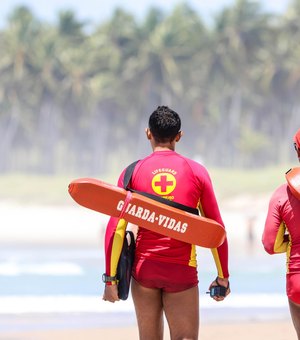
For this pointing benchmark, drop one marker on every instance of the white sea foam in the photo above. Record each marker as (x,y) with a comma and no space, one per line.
(248,301)
(94,304)
(12,268)
(60,304)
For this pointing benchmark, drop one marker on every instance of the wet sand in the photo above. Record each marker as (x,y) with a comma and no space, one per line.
(275,330)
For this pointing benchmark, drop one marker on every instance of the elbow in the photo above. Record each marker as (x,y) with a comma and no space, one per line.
(269,247)
(275,249)
(269,250)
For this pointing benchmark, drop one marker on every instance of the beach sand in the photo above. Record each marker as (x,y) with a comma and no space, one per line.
(275,330)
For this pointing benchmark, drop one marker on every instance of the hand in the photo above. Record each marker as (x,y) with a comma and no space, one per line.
(220,282)
(110,293)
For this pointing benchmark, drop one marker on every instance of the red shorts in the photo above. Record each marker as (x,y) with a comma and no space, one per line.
(170,277)
(293,287)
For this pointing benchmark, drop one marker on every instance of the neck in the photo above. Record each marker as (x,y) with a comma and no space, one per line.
(163,148)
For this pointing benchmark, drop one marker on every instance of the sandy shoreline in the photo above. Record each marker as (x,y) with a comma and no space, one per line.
(275,330)
(72,225)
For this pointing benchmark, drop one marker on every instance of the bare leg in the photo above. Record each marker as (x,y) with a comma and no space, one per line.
(295,313)
(182,313)
(149,311)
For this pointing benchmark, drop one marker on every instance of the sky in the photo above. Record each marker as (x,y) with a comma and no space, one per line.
(99,10)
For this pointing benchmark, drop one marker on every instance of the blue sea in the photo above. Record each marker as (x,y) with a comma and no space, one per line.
(47,287)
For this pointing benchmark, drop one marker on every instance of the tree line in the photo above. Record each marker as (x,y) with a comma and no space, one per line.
(77,99)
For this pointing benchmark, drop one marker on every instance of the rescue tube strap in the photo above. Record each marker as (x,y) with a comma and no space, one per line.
(126,202)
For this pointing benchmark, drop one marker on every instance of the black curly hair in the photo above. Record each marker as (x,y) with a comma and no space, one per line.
(164,124)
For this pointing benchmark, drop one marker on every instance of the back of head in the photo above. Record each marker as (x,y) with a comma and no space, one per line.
(164,124)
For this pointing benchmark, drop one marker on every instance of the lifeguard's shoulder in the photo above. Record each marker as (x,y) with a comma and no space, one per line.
(280,190)
(280,194)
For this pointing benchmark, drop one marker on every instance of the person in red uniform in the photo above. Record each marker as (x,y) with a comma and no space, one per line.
(282,234)
(165,280)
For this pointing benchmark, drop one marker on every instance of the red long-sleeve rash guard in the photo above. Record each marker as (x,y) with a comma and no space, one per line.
(282,233)
(177,178)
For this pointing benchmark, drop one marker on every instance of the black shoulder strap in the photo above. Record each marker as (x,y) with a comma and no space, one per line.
(128,173)
(127,177)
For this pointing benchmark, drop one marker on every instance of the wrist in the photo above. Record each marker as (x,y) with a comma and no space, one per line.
(111,283)
(222,281)
(109,280)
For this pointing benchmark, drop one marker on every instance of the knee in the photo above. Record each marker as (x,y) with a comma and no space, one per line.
(184,335)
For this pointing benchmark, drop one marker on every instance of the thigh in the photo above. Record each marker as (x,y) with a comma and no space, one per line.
(149,311)
(182,313)
(295,313)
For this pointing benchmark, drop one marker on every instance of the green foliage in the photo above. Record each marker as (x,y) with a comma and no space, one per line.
(29,189)
(76,100)
(234,182)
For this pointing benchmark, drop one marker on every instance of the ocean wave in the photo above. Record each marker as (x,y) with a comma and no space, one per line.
(44,269)
(95,304)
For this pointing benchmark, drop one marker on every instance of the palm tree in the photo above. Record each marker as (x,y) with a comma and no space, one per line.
(281,82)
(17,83)
(112,47)
(237,42)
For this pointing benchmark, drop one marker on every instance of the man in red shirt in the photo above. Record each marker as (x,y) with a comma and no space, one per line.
(282,234)
(164,273)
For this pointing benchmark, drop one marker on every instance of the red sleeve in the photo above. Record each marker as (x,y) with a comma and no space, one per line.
(273,238)
(209,208)
(114,238)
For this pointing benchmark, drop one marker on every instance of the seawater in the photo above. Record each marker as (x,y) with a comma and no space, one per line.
(64,283)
